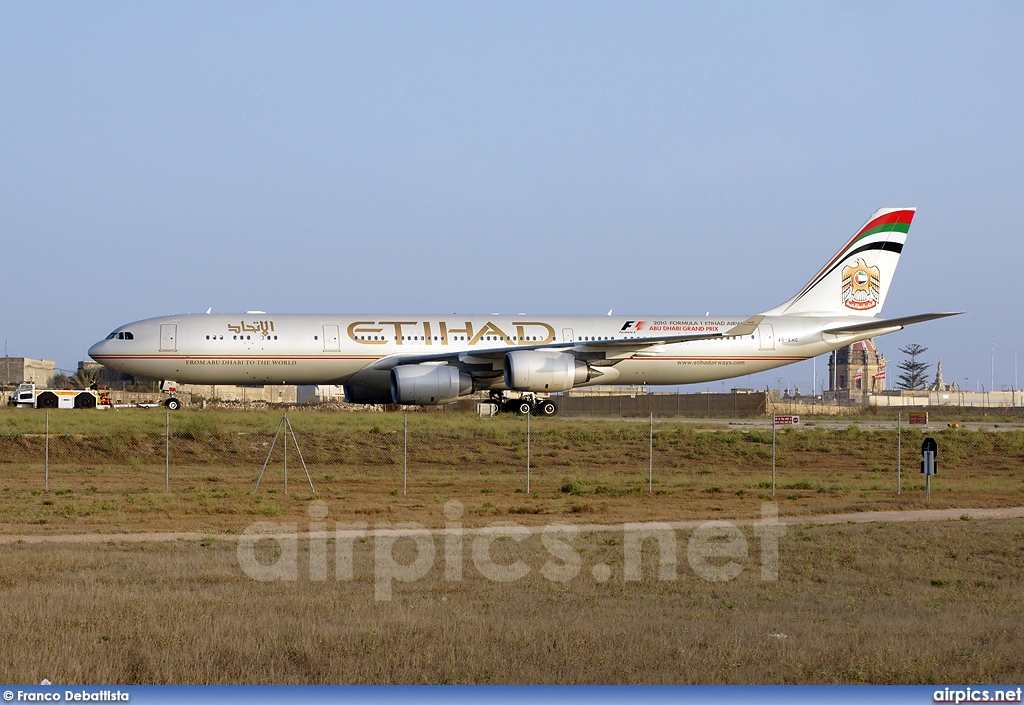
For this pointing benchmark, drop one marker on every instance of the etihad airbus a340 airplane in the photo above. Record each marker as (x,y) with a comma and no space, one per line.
(435,359)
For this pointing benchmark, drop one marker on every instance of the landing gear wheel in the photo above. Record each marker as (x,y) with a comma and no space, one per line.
(172,404)
(523,407)
(548,408)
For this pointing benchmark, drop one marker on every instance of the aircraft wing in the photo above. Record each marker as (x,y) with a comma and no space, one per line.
(619,347)
(889,324)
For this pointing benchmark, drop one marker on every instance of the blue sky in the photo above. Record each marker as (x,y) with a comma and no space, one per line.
(654,158)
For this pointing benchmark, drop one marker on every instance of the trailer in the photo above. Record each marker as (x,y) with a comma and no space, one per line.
(28,396)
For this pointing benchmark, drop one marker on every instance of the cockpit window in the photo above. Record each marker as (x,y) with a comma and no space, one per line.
(121,335)
(111,336)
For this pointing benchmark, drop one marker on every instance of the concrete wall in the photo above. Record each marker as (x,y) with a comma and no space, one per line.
(899,400)
(737,404)
(946,398)
(119,396)
(270,393)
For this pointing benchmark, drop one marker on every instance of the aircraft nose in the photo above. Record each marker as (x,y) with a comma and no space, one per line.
(97,349)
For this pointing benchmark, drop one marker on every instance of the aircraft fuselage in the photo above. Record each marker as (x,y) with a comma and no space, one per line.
(315,349)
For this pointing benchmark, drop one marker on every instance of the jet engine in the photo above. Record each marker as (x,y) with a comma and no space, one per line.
(543,371)
(428,384)
(355,394)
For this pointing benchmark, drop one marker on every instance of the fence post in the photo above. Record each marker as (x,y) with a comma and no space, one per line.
(46,462)
(650,459)
(528,453)
(899,453)
(773,454)
(167,454)
(405,453)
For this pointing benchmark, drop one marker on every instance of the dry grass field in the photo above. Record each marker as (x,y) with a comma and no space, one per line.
(873,603)
(107,470)
(877,603)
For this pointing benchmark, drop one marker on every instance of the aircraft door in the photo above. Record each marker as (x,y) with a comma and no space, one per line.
(767,336)
(168,337)
(567,336)
(331,339)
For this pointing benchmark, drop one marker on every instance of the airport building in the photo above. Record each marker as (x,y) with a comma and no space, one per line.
(15,370)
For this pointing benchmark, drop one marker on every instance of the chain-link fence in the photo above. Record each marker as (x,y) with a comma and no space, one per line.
(214,453)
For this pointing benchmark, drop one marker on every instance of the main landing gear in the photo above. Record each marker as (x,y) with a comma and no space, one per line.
(526,403)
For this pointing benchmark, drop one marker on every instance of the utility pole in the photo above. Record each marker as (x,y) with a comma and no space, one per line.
(835,364)
(835,377)
(992,381)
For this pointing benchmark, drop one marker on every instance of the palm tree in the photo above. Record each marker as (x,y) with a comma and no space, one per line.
(84,379)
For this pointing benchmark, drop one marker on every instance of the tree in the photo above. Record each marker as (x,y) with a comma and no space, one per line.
(913,376)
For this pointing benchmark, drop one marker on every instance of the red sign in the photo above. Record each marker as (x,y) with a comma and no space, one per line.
(786,420)
(921,419)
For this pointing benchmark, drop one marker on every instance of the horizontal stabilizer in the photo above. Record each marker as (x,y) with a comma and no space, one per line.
(883,324)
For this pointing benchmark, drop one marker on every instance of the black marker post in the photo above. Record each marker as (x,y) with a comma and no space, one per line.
(929,449)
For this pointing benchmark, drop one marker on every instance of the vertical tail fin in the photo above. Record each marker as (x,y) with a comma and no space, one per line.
(856,280)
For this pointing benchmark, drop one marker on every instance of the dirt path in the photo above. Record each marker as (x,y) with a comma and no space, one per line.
(856,518)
